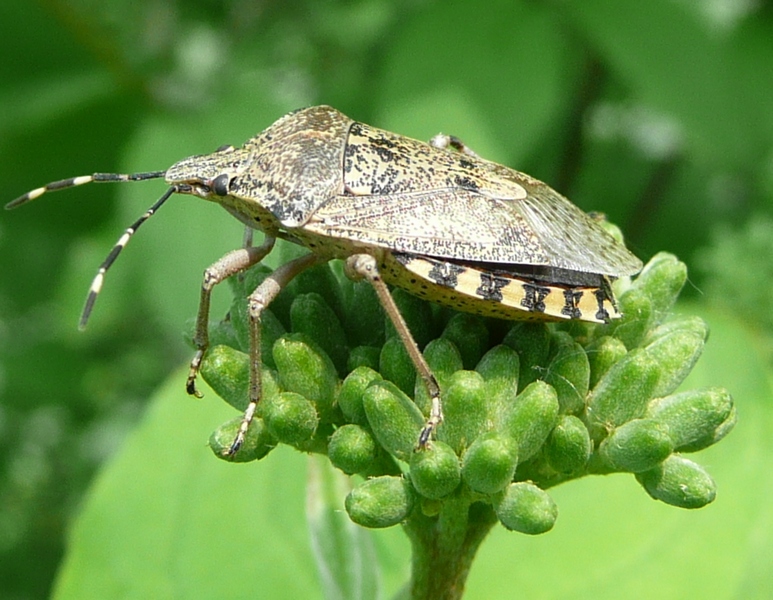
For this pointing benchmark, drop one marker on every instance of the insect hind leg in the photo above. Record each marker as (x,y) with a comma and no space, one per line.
(365,266)
(443,141)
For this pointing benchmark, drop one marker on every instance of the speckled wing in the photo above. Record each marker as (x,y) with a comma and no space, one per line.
(410,197)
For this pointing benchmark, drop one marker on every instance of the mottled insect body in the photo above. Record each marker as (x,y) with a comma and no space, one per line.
(439,222)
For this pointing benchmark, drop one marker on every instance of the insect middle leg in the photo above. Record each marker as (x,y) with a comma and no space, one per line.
(366,267)
(230,264)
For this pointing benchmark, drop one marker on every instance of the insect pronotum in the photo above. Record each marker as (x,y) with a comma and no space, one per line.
(433,219)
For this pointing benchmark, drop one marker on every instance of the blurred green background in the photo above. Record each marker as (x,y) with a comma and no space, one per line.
(659,114)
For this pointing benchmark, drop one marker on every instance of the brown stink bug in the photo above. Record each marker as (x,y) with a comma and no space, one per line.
(439,222)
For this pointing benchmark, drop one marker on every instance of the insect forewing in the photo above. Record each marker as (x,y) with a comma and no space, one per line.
(408,196)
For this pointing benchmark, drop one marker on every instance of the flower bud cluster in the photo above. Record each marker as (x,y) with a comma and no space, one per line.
(526,405)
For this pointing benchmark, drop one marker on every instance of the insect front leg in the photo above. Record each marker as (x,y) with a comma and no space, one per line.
(257,302)
(231,264)
(366,267)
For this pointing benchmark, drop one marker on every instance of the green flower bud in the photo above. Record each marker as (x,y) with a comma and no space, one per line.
(569,374)
(622,393)
(489,463)
(444,359)
(558,339)
(364,316)
(364,356)
(499,368)
(720,432)
(465,406)
(352,449)
(532,342)
(380,502)
(631,328)
(568,448)
(435,471)
(290,417)
(676,323)
(530,418)
(662,279)
(257,441)
(309,314)
(636,446)
(305,369)
(676,353)
(693,418)
(395,365)
(602,353)
(469,335)
(393,417)
(319,279)
(526,508)
(679,482)
(352,391)
(227,371)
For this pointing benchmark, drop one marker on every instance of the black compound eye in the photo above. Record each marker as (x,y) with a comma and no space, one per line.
(220,184)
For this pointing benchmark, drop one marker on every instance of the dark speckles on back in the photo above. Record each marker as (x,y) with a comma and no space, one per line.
(384,154)
(377,162)
(465,182)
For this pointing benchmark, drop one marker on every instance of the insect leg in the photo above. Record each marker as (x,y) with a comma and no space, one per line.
(443,141)
(230,264)
(365,266)
(258,300)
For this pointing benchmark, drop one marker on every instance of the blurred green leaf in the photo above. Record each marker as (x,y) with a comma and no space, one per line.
(344,553)
(194,527)
(459,85)
(674,63)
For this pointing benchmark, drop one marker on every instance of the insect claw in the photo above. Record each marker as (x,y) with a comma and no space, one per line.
(190,386)
(235,445)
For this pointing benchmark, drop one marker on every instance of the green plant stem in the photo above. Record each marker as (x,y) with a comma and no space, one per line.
(444,547)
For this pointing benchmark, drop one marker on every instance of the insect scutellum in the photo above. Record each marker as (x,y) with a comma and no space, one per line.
(434,219)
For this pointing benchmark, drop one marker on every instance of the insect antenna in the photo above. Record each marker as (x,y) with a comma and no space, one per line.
(76,181)
(96,284)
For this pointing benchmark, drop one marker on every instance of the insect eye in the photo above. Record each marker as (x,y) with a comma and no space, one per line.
(220,184)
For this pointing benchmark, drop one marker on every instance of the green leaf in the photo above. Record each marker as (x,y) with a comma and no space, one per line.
(166,519)
(344,553)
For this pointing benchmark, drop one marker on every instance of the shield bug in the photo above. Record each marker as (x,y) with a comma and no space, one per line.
(433,219)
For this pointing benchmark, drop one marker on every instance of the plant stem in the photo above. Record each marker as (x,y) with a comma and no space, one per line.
(444,547)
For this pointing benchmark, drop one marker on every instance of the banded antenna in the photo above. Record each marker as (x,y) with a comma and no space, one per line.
(96,284)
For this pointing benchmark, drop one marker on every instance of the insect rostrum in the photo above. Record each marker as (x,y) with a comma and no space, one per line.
(433,219)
